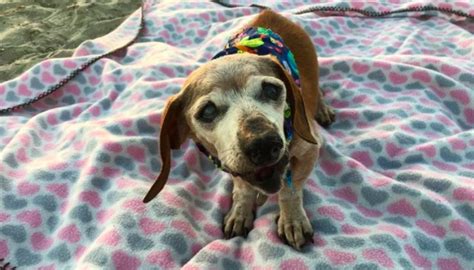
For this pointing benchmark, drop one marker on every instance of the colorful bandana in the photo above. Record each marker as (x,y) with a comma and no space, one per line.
(262,41)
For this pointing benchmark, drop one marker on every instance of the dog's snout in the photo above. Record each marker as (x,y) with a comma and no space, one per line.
(264,150)
(259,140)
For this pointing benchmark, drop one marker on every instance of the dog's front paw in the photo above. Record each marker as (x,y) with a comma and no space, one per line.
(295,231)
(238,222)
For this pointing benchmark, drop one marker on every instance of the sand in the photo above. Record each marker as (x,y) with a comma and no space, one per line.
(31,32)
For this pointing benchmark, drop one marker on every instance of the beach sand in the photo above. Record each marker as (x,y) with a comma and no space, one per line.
(31,32)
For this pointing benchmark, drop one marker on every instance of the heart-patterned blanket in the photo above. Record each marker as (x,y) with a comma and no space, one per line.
(394,187)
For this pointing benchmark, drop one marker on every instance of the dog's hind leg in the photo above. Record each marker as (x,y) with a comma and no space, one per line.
(325,114)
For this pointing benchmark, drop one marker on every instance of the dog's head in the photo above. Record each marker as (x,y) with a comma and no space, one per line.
(234,106)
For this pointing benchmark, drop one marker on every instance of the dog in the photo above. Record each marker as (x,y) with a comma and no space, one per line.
(254,115)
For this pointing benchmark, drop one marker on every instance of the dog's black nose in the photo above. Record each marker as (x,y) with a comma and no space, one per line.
(264,150)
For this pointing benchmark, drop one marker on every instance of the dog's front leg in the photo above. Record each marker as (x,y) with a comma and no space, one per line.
(293,224)
(239,220)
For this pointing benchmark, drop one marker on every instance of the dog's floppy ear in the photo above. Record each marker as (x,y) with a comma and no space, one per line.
(174,131)
(300,117)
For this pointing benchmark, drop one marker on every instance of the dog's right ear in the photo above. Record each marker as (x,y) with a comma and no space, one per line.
(174,131)
(300,117)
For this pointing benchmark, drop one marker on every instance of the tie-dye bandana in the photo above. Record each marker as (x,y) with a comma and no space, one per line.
(262,41)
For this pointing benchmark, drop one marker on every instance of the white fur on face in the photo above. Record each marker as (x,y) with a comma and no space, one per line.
(236,104)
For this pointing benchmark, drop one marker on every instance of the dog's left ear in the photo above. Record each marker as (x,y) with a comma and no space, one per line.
(300,116)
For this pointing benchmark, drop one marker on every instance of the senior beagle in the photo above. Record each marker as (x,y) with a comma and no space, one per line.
(251,110)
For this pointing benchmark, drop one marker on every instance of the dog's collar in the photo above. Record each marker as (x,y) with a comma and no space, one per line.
(214,159)
(261,41)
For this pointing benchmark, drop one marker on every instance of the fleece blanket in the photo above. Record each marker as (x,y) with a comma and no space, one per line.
(394,188)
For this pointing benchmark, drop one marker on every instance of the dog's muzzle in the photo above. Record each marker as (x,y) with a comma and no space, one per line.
(264,150)
(259,140)
(269,178)
(263,147)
